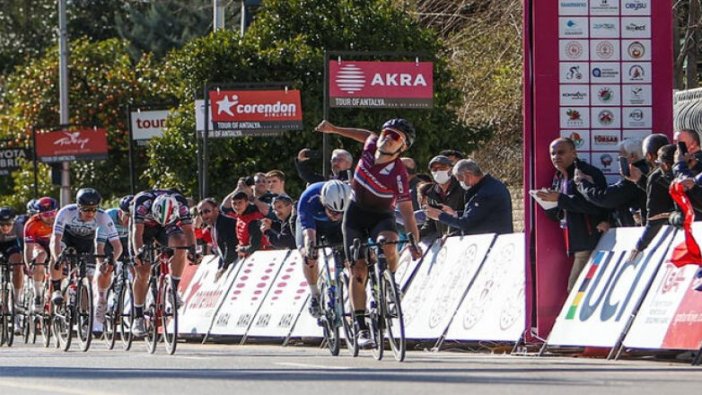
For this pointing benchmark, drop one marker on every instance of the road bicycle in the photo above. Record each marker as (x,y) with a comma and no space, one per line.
(7,302)
(120,307)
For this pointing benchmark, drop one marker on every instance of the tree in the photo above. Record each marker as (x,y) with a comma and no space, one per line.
(286,43)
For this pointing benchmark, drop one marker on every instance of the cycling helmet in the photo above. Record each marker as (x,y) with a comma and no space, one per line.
(7,214)
(165,209)
(88,197)
(31,207)
(125,202)
(336,195)
(46,204)
(404,126)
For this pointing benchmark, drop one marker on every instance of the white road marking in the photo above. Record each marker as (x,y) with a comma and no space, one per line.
(307,365)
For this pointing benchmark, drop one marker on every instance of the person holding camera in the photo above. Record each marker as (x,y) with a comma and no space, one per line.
(341,163)
(488,207)
(445,190)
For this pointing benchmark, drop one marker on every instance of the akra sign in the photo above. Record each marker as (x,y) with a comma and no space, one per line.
(381,84)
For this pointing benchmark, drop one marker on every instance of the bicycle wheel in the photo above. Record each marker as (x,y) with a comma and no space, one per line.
(150,318)
(112,313)
(63,321)
(45,318)
(375,316)
(84,317)
(394,323)
(126,315)
(346,315)
(27,302)
(169,315)
(4,312)
(7,304)
(328,319)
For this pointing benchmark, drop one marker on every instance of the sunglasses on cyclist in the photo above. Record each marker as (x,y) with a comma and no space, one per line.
(88,209)
(393,135)
(48,214)
(6,224)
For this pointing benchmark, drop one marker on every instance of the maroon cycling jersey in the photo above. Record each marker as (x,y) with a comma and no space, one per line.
(379,187)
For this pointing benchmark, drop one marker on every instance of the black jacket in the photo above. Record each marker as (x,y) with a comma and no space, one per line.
(488,209)
(224,239)
(621,197)
(282,234)
(577,216)
(455,198)
(306,171)
(658,201)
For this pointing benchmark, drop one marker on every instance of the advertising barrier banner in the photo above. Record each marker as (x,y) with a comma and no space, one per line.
(204,296)
(381,84)
(671,314)
(609,288)
(440,283)
(70,145)
(494,307)
(283,303)
(250,287)
(406,266)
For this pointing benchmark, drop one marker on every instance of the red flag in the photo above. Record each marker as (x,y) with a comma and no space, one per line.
(687,252)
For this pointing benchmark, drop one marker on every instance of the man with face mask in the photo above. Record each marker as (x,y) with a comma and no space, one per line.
(445,191)
(488,207)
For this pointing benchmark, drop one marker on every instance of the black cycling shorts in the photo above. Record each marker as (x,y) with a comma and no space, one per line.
(364,224)
(8,248)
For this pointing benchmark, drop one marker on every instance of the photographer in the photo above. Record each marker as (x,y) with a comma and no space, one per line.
(341,163)
(445,190)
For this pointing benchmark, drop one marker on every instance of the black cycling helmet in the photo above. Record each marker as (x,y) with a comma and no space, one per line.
(404,126)
(88,197)
(125,202)
(7,214)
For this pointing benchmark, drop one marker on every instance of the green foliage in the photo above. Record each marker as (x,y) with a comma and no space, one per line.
(286,43)
(103,82)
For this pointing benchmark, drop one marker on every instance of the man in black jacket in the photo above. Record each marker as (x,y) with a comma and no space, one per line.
(281,232)
(488,207)
(222,229)
(623,197)
(578,218)
(445,190)
(341,163)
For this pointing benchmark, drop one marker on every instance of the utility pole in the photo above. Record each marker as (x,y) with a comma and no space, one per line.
(63,97)
(217,15)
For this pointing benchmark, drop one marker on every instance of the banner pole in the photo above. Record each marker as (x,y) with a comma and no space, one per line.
(130,143)
(36,176)
(325,111)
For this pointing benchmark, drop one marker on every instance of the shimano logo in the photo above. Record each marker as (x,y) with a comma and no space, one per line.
(573,4)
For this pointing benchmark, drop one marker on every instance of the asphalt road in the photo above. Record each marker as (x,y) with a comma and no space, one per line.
(264,369)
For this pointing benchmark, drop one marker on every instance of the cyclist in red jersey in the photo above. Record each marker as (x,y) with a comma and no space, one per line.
(37,233)
(379,184)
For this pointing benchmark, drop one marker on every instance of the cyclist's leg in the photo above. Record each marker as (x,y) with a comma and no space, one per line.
(40,255)
(310,268)
(143,272)
(387,228)
(103,283)
(353,229)
(176,238)
(17,271)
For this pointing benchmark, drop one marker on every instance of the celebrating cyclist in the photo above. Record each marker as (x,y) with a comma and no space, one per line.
(164,216)
(380,182)
(37,233)
(76,226)
(320,210)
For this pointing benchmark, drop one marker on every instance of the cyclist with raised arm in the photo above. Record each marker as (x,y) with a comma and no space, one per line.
(164,216)
(120,217)
(380,183)
(76,226)
(37,233)
(10,249)
(319,213)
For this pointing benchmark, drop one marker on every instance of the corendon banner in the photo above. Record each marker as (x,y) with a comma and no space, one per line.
(597,72)
(255,111)
(381,84)
(69,145)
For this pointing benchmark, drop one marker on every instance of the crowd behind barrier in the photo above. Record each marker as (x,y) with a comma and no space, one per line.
(470,288)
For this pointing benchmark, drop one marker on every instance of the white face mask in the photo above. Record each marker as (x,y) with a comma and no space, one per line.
(464,185)
(441,176)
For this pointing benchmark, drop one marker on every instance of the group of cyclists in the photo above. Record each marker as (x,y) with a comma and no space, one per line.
(335,211)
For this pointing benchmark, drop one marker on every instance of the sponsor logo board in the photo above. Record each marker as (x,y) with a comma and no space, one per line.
(573,7)
(604,27)
(605,95)
(604,7)
(574,117)
(572,27)
(636,72)
(605,117)
(636,27)
(575,95)
(574,73)
(636,50)
(602,73)
(574,50)
(637,95)
(581,138)
(605,140)
(604,50)
(637,117)
(636,7)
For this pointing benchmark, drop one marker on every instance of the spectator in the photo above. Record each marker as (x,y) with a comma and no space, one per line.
(488,207)
(341,163)
(453,155)
(577,216)
(245,184)
(222,230)
(260,184)
(445,190)
(692,142)
(627,201)
(248,226)
(281,232)
(413,180)
(659,203)
(275,180)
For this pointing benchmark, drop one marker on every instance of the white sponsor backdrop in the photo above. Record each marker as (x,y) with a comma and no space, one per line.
(204,296)
(438,287)
(406,266)
(494,307)
(250,287)
(306,325)
(608,289)
(284,301)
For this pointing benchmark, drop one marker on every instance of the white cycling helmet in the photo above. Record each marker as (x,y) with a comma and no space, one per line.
(165,209)
(336,195)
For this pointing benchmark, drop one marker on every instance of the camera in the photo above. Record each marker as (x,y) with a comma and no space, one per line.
(313,154)
(624,166)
